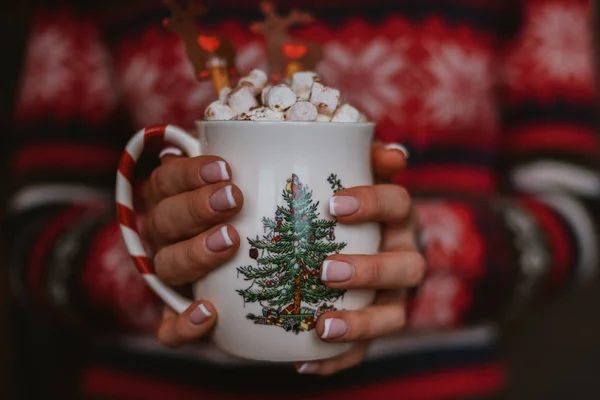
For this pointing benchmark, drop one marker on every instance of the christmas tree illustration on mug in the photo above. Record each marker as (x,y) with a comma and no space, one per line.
(286,280)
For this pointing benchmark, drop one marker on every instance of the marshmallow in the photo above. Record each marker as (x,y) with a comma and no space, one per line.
(325,98)
(241,100)
(302,111)
(218,111)
(302,83)
(299,97)
(255,80)
(263,96)
(280,98)
(261,114)
(225,92)
(346,113)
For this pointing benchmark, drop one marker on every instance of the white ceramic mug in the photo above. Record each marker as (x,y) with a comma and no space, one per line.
(269,296)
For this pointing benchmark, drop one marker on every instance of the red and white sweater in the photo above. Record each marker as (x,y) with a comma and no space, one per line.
(495,103)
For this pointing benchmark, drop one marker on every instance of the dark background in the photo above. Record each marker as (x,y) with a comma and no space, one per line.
(553,350)
(13,17)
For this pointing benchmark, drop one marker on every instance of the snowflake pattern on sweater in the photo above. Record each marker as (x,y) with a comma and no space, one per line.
(555,55)
(433,75)
(67,72)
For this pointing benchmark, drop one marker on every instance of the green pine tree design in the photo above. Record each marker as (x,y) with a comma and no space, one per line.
(336,184)
(286,279)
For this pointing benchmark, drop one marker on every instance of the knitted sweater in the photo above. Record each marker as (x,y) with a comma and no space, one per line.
(494,102)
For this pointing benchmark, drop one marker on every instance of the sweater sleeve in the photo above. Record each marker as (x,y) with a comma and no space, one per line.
(551,145)
(68,132)
(537,237)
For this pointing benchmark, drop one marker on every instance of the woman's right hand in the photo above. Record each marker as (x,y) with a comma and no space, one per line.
(188,202)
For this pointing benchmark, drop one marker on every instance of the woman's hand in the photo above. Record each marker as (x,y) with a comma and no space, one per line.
(398,266)
(188,200)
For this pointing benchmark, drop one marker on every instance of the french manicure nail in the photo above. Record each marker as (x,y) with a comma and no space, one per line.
(308,368)
(200,315)
(343,206)
(219,240)
(334,328)
(399,147)
(170,151)
(336,271)
(223,200)
(215,172)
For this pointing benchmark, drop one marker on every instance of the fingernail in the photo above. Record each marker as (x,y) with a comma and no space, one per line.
(334,328)
(214,172)
(223,199)
(200,315)
(336,271)
(170,151)
(399,147)
(308,368)
(343,206)
(219,240)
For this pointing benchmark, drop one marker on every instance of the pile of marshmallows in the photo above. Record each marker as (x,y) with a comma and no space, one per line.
(305,99)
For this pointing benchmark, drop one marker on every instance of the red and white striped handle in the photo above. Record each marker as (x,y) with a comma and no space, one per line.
(126,214)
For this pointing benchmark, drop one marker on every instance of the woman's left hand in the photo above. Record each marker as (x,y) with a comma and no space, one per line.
(398,266)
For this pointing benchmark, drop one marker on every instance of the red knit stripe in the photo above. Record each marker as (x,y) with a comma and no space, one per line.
(557,237)
(62,155)
(456,383)
(143,264)
(566,138)
(448,177)
(126,217)
(153,133)
(126,165)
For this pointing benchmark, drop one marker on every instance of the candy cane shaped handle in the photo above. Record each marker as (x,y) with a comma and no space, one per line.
(126,214)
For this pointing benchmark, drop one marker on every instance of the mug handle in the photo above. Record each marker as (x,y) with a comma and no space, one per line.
(126,215)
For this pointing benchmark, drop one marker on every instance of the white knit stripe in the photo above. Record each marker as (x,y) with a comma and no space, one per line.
(183,140)
(124,191)
(133,242)
(41,195)
(400,345)
(552,178)
(583,228)
(135,147)
(480,336)
(544,176)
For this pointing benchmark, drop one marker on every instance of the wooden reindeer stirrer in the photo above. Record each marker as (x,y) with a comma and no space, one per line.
(212,56)
(286,55)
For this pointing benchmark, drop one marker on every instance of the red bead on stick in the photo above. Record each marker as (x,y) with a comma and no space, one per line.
(294,51)
(209,43)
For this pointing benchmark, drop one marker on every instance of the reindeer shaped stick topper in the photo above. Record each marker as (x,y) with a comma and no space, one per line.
(212,56)
(286,55)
